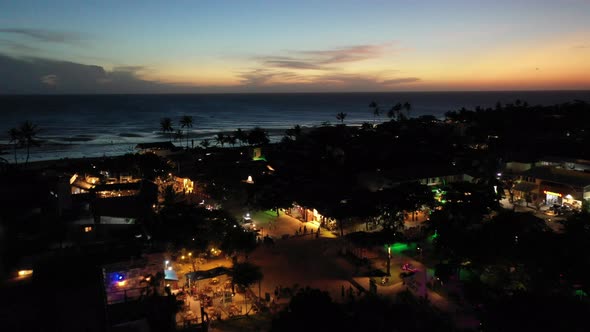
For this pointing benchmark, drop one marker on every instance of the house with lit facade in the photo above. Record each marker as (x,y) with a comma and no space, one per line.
(556,186)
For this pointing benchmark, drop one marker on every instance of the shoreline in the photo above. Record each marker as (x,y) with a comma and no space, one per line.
(275,135)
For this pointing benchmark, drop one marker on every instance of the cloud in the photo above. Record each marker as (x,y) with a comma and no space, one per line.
(269,80)
(17,47)
(49,79)
(29,75)
(293,64)
(322,59)
(263,77)
(348,54)
(293,71)
(580,46)
(397,81)
(134,69)
(44,35)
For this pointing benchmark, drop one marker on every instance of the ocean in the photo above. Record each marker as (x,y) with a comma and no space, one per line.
(75,126)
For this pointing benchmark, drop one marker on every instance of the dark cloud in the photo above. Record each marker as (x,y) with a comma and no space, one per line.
(293,64)
(51,80)
(17,47)
(27,75)
(322,59)
(283,73)
(264,77)
(44,35)
(347,54)
(134,69)
(268,80)
(402,80)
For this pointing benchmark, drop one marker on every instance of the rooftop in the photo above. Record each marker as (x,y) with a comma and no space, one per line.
(560,175)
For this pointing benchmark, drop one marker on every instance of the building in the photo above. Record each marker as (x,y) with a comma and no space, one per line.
(551,185)
(429,176)
(129,280)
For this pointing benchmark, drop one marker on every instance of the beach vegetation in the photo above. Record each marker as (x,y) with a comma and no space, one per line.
(24,136)
(258,136)
(341,116)
(186,122)
(166,127)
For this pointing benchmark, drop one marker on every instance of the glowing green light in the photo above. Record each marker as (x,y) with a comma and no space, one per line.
(259,158)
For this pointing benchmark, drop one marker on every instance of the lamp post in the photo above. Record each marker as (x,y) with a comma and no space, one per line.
(388,260)
(190,255)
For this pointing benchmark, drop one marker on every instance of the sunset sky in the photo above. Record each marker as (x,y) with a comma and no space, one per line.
(295,46)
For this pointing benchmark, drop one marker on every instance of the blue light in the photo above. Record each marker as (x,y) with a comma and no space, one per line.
(120,277)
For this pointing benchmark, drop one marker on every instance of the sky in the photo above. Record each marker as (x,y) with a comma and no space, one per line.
(202,46)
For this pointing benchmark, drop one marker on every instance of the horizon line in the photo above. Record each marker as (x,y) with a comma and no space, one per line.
(280,93)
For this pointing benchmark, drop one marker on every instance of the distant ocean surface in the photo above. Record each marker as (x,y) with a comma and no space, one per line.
(77,126)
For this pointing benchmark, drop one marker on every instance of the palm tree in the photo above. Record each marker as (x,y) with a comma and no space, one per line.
(231,140)
(392,113)
(169,195)
(341,116)
(205,143)
(408,107)
(376,111)
(294,133)
(28,135)
(15,138)
(220,139)
(398,110)
(166,126)
(178,135)
(258,136)
(186,122)
(245,274)
(153,283)
(241,136)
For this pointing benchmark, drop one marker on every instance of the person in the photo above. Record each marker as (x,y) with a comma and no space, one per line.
(317,234)
(304,229)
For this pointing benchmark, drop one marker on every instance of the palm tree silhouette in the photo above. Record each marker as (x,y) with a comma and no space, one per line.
(205,143)
(28,136)
(341,116)
(186,122)
(178,136)
(231,140)
(408,107)
(392,113)
(15,138)
(241,136)
(398,110)
(220,139)
(166,126)
(376,111)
